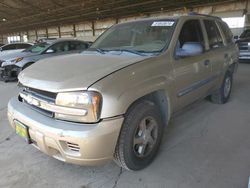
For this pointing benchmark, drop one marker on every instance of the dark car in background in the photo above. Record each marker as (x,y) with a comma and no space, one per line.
(1,44)
(244,46)
(13,64)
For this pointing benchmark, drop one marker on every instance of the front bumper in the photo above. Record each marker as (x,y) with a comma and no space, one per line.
(83,144)
(10,72)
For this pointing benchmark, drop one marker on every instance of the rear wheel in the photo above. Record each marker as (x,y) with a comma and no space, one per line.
(140,137)
(223,94)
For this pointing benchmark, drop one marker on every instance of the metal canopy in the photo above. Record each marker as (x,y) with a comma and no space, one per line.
(22,15)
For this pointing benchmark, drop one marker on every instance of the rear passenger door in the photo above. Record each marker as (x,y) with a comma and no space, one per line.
(231,48)
(192,72)
(217,50)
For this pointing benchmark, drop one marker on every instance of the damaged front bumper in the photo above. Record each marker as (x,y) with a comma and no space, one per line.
(9,72)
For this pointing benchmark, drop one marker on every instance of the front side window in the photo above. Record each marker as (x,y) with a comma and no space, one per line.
(37,48)
(191,40)
(213,33)
(144,36)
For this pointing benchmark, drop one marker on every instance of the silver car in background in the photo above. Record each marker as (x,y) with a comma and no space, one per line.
(13,47)
(244,46)
(13,64)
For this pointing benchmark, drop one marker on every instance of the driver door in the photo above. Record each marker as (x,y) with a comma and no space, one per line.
(192,71)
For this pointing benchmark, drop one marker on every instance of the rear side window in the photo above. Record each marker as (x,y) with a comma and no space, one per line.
(77,45)
(213,33)
(226,31)
(23,46)
(61,47)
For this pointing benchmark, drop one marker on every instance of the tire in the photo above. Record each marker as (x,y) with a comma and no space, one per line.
(132,152)
(223,94)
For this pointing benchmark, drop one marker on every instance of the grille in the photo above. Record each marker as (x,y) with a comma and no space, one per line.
(43,95)
(73,147)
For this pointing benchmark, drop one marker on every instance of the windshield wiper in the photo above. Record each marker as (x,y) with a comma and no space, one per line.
(101,51)
(130,51)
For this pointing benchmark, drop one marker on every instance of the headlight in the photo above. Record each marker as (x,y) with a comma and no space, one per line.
(6,63)
(90,101)
(12,61)
(18,59)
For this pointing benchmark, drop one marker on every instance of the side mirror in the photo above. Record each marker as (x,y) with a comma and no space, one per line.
(50,51)
(236,37)
(189,49)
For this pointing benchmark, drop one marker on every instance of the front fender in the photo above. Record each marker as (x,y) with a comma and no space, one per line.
(25,61)
(122,88)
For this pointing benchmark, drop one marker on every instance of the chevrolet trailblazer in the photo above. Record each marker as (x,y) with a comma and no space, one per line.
(114,100)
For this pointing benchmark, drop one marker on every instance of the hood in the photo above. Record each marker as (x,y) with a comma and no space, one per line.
(73,72)
(12,54)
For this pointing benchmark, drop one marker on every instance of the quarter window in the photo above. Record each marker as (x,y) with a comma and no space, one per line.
(213,33)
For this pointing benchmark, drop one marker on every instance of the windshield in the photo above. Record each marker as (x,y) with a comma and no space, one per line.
(38,47)
(245,34)
(143,37)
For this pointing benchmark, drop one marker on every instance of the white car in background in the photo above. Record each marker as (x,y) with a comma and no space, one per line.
(11,49)
(14,47)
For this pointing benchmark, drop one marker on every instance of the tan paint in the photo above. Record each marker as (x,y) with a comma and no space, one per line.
(121,81)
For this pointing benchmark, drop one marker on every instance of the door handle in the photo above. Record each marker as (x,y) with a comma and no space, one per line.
(207,62)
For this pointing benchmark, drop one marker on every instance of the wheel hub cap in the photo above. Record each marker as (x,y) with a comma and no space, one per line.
(145,137)
(227,87)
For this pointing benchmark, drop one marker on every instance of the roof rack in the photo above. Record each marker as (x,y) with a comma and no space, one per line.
(198,14)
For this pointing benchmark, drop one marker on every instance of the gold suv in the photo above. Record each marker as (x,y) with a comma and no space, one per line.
(114,100)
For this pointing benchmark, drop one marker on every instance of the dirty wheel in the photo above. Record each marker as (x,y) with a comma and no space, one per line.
(223,94)
(140,136)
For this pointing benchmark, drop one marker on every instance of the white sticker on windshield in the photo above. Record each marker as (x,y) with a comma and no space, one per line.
(163,24)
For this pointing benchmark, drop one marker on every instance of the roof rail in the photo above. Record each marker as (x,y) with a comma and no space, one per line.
(206,15)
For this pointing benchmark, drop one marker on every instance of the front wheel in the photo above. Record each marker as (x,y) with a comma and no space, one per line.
(140,136)
(223,94)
